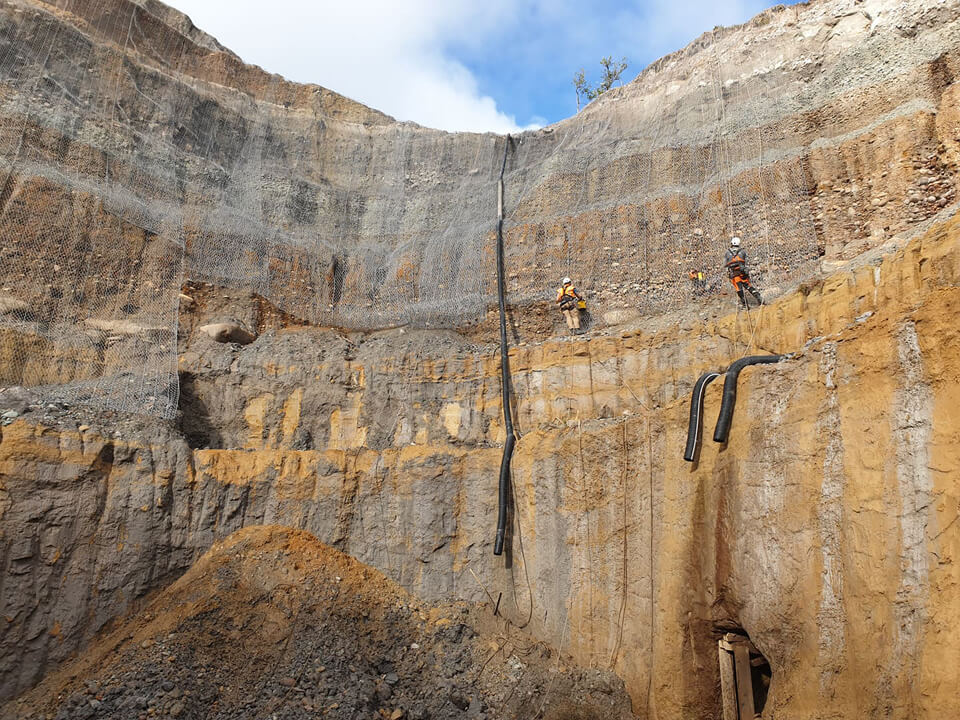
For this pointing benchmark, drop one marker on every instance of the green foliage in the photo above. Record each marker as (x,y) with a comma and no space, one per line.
(612,70)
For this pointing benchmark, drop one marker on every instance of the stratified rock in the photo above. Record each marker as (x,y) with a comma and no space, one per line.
(811,451)
(826,529)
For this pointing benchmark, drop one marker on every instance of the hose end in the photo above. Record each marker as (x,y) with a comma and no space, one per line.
(498,543)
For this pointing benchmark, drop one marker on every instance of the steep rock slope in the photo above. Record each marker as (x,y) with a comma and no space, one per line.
(825,527)
(137,145)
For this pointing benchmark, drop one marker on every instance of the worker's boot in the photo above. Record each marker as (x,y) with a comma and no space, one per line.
(757,296)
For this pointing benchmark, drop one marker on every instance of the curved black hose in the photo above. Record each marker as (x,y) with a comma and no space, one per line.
(730,392)
(504,372)
(696,414)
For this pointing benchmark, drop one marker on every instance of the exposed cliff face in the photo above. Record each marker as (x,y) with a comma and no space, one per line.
(825,527)
(337,214)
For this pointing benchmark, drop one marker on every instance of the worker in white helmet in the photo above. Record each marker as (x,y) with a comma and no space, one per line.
(736,263)
(568,299)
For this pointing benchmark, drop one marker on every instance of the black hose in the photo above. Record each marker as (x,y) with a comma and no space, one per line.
(696,414)
(504,372)
(730,392)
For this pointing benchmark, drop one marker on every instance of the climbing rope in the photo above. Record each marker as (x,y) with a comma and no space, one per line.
(754,326)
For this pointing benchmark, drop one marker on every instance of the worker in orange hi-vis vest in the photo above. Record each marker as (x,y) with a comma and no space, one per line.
(568,299)
(736,263)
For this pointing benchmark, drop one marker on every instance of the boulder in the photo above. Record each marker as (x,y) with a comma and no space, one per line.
(10,304)
(123,327)
(229,332)
(622,315)
(16,399)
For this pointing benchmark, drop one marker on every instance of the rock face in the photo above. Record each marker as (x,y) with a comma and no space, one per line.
(140,152)
(825,527)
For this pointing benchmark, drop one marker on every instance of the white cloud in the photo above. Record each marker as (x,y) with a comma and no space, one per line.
(387,54)
(401,56)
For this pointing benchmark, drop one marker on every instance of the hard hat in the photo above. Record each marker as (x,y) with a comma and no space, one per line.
(567,281)
(734,242)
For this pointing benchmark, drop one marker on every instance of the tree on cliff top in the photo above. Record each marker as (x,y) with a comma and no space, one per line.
(612,70)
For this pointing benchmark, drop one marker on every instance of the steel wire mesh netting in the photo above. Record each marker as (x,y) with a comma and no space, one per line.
(137,155)
(627,201)
(92,257)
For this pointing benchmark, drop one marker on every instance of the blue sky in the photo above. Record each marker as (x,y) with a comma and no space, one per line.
(478,65)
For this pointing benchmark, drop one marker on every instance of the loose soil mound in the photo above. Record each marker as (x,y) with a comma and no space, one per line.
(273,624)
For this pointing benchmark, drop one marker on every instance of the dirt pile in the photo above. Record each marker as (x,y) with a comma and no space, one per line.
(271,623)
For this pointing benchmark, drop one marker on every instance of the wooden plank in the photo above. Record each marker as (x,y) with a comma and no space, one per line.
(733,638)
(744,681)
(728,684)
(730,645)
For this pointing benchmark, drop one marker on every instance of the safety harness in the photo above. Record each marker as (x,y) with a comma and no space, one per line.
(737,267)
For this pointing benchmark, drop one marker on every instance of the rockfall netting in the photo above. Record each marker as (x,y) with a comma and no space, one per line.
(627,200)
(136,154)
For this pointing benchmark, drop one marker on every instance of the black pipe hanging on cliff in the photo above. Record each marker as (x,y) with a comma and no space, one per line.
(730,392)
(504,371)
(696,414)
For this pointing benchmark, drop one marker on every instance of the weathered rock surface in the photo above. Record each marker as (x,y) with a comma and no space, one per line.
(826,526)
(338,214)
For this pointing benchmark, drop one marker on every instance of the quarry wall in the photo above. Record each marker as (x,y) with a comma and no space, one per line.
(825,527)
(139,154)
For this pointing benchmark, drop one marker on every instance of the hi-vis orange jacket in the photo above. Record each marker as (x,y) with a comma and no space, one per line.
(567,295)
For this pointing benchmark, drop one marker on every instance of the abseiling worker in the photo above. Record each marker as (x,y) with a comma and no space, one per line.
(736,263)
(568,299)
(699,281)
